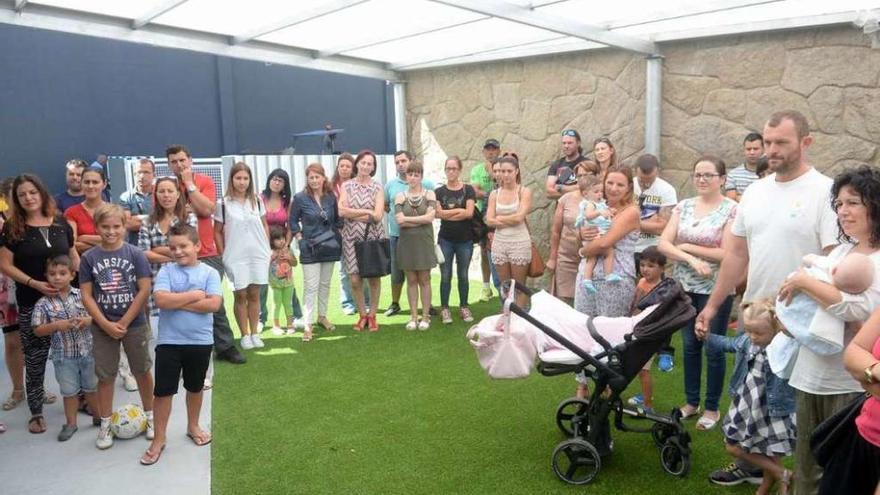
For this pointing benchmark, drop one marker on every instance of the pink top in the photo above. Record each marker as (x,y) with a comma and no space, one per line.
(868,422)
(275,217)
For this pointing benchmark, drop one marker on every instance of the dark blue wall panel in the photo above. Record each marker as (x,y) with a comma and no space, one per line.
(64,96)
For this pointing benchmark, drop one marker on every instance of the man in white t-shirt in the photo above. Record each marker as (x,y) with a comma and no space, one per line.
(781,218)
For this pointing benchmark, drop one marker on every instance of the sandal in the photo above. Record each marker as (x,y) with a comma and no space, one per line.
(374,325)
(149,458)
(706,423)
(11,403)
(785,481)
(49,398)
(307,335)
(692,414)
(40,423)
(362,322)
(324,323)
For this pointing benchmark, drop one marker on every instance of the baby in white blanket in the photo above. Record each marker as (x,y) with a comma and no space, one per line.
(809,325)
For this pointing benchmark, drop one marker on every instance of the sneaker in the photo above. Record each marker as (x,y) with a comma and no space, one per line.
(299,323)
(393,309)
(290,331)
(466,315)
(486,294)
(665,362)
(129,382)
(257,341)
(151,430)
(246,343)
(636,400)
(105,438)
(349,310)
(424,324)
(445,316)
(67,431)
(734,475)
(589,286)
(277,331)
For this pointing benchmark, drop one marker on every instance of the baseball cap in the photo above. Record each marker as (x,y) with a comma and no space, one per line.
(491,143)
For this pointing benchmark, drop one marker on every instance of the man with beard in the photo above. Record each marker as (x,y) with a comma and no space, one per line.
(73,195)
(780,218)
(560,175)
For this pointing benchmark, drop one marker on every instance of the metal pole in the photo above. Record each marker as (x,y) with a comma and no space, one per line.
(653,103)
(400,115)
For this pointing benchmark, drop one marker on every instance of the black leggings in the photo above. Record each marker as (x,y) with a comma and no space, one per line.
(36,353)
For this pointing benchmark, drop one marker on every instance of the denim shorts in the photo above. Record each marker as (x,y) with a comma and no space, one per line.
(75,374)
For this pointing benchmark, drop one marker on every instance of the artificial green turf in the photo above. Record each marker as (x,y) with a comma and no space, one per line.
(413,412)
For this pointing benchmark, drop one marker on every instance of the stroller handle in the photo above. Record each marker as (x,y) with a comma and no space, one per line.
(596,336)
(615,379)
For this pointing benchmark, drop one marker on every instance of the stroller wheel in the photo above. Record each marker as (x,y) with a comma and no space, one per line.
(674,459)
(661,433)
(571,415)
(576,461)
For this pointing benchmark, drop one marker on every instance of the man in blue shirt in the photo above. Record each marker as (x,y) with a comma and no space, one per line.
(138,202)
(395,185)
(73,195)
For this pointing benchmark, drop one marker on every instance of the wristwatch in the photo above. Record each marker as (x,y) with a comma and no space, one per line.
(191,188)
(869,373)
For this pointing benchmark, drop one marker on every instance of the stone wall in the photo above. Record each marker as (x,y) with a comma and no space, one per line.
(714,92)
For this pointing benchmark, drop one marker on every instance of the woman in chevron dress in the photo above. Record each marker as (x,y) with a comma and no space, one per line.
(362,205)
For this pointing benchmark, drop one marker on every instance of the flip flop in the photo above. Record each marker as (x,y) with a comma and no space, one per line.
(149,459)
(705,423)
(39,421)
(199,443)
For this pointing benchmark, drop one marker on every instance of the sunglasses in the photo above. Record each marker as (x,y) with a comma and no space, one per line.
(571,133)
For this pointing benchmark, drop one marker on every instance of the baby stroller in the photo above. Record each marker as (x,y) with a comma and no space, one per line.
(611,366)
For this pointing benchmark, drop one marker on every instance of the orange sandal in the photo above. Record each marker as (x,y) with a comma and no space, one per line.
(374,325)
(362,321)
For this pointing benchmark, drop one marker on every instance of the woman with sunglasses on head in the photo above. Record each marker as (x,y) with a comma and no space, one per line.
(276,197)
(605,154)
(169,209)
(564,242)
(693,239)
(508,207)
(34,233)
(315,223)
(80,216)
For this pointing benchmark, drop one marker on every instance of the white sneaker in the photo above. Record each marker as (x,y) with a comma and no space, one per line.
(291,331)
(247,343)
(129,382)
(277,331)
(105,438)
(151,430)
(257,341)
(299,323)
(424,324)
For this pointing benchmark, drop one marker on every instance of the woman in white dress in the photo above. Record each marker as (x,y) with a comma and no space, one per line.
(242,237)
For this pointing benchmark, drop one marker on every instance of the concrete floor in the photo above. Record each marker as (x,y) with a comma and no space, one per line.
(39,464)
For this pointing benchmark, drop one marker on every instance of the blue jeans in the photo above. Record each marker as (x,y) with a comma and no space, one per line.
(462,252)
(264,297)
(345,296)
(716,362)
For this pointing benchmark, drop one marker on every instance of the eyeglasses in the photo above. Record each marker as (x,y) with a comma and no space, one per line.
(705,176)
(449,169)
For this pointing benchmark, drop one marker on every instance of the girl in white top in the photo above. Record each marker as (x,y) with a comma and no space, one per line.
(507,210)
(242,237)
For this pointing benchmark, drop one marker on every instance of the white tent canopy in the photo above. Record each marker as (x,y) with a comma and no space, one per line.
(381,38)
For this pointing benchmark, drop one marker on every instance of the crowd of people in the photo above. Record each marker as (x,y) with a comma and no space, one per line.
(83,275)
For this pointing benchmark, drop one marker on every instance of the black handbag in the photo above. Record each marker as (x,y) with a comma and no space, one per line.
(324,247)
(826,439)
(373,257)
(479,229)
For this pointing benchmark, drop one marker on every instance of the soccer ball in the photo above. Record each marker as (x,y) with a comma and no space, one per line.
(128,421)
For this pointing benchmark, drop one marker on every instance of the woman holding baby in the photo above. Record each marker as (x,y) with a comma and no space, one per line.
(822,382)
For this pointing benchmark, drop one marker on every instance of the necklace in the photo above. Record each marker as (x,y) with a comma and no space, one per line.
(44,232)
(415,201)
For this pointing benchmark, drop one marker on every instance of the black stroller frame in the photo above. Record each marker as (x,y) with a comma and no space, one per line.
(578,458)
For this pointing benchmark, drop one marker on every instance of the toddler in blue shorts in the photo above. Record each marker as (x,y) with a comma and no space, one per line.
(65,319)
